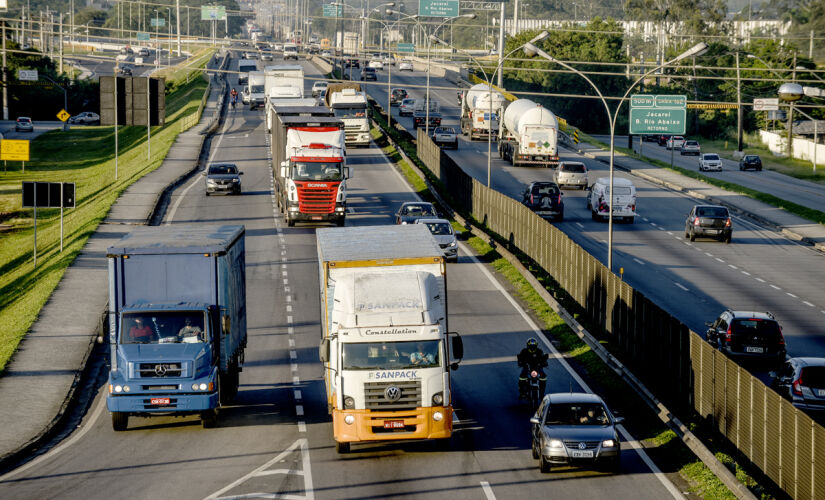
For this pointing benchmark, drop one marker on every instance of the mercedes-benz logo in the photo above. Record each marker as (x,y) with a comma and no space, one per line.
(392,393)
(582,446)
(160,370)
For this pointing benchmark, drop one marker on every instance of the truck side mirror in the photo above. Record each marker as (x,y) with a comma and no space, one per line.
(283,171)
(458,346)
(323,351)
(347,173)
(226,324)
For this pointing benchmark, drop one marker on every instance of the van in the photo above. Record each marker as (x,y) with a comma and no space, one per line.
(624,199)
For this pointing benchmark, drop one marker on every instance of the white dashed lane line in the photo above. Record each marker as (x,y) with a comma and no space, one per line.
(775,287)
(680,286)
(641,263)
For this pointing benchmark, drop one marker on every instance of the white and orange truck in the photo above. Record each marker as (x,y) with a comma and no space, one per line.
(386,347)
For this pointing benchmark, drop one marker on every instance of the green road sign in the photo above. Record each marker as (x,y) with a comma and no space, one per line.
(329,10)
(657,114)
(438,8)
(143,37)
(406,47)
(657,121)
(158,22)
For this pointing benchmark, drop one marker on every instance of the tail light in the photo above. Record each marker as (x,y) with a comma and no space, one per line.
(696,221)
(559,200)
(633,207)
(728,334)
(531,199)
(727,222)
(781,337)
(796,387)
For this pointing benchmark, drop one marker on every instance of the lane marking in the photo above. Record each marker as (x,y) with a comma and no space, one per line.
(302,426)
(680,286)
(732,266)
(640,262)
(720,260)
(709,254)
(299,410)
(791,295)
(759,280)
(808,303)
(775,287)
(746,273)
(671,233)
(580,225)
(488,492)
(297,393)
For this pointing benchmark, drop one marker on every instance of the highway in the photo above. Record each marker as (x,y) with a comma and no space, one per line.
(276,441)
(695,281)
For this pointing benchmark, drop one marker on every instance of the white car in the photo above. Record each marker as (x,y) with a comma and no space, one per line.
(317,87)
(571,173)
(376,64)
(390,60)
(326,53)
(675,142)
(710,161)
(444,235)
(405,66)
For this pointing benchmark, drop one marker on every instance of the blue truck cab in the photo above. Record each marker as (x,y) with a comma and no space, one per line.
(177,321)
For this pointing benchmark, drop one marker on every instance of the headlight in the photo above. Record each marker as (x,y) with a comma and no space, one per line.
(349,419)
(210,182)
(438,398)
(194,387)
(236,180)
(349,402)
(126,388)
(453,244)
(555,443)
(608,443)
(118,388)
(437,416)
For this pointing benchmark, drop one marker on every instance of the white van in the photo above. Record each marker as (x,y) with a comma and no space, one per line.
(624,199)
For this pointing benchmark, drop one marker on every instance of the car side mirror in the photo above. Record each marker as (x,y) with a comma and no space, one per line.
(240,173)
(535,420)
(618,420)
(204,173)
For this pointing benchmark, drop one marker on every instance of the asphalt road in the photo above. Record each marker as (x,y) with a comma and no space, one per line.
(277,439)
(761,270)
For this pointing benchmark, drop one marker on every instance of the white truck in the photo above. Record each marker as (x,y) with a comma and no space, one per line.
(529,135)
(349,103)
(254,92)
(384,344)
(244,68)
(290,51)
(284,87)
(481,108)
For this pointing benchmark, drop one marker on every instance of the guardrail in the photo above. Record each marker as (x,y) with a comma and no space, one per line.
(674,362)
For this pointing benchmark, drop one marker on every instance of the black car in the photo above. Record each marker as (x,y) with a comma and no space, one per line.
(223,177)
(414,210)
(750,161)
(420,117)
(545,199)
(748,335)
(397,95)
(351,62)
(650,138)
(711,221)
(368,74)
(802,382)
(661,140)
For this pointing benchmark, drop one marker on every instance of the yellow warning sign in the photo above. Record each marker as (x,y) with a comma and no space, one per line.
(63,115)
(14,149)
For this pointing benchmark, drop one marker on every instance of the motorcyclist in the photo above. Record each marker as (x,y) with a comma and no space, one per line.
(234,95)
(531,358)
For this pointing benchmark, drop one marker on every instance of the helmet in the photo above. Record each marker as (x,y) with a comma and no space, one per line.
(532,344)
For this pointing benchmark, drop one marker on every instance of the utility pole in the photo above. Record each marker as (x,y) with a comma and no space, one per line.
(177,21)
(60,45)
(500,49)
(738,106)
(515,19)
(5,87)
(790,112)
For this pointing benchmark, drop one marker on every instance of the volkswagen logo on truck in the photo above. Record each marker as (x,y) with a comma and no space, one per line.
(392,393)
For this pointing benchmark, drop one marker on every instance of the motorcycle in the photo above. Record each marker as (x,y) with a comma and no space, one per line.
(533,390)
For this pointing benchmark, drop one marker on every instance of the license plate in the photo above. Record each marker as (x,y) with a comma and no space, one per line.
(755,350)
(159,401)
(820,392)
(581,453)
(317,217)
(713,231)
(393,424)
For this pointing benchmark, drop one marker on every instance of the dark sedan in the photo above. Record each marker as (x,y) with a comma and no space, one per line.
(420,118)
(750,162)
(223,178)
(710,221)
(368,74)
(545,199)
(414,210)
(397,96)
(661,140)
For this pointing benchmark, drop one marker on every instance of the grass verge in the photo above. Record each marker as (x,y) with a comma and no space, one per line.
(661,444)
(85,156)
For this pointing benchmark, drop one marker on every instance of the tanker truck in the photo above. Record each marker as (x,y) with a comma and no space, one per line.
(529,135)
(480,111)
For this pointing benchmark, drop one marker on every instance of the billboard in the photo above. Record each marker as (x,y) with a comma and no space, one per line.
(213,13)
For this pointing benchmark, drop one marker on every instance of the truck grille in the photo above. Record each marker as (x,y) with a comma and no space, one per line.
(317,200)
(352,128)
(376,395)
(159,370)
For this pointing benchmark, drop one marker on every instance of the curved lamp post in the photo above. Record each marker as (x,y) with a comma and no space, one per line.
(531,50)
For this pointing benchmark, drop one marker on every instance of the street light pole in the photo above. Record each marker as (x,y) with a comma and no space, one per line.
(530,49)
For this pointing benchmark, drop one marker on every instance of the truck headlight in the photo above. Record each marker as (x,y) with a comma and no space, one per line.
(118,388)
(349,419)
(438,398)
(437,416)
(349,402)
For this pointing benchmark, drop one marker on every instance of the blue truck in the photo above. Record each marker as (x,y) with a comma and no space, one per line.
(177,321)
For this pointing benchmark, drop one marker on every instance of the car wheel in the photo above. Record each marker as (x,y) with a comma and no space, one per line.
(544,465)
(593,215)
(692,235)
(728,239)
(616,464)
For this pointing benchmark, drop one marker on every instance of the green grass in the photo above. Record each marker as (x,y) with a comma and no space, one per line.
(662,444)
(85,156)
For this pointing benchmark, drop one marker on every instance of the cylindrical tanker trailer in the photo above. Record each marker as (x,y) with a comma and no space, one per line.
(481,109)
(529,135)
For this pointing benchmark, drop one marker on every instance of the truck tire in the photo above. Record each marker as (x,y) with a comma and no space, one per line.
(120,421)
(209,419)
(342,448)
(340,221)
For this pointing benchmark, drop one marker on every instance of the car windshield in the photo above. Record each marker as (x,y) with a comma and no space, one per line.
(572,167)
(711,157)
(691,143)
(354,112)
(316,171)
(163,327)
(712,212)
(391,355)
(751,158)
(546,189)
(222,169)
(439,228)
(418,210)
(754,327)
(576,414)
(257,89)
(444,130)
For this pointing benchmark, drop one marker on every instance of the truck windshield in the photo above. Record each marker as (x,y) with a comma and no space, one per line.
(257,89)
(316,171)
(358,111)
(391,355)
(163,327)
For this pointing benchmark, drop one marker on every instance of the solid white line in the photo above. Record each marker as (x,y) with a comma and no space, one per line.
(653,467)
(488,492)
(680,286)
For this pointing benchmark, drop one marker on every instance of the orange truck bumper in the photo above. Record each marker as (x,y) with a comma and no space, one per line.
(371,425)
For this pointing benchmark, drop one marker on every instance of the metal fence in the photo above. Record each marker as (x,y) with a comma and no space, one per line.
(675,363)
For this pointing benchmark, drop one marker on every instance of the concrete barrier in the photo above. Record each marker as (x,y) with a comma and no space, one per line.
(322,64)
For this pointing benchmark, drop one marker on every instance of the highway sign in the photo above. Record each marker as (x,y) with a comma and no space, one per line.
(144,37)
(14,149)
(158,22)
(329,10)
(405,47)
(49,194)
(770,104)
(657,114)
(27,75)
(438,8)
(213,13)
(63,115)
